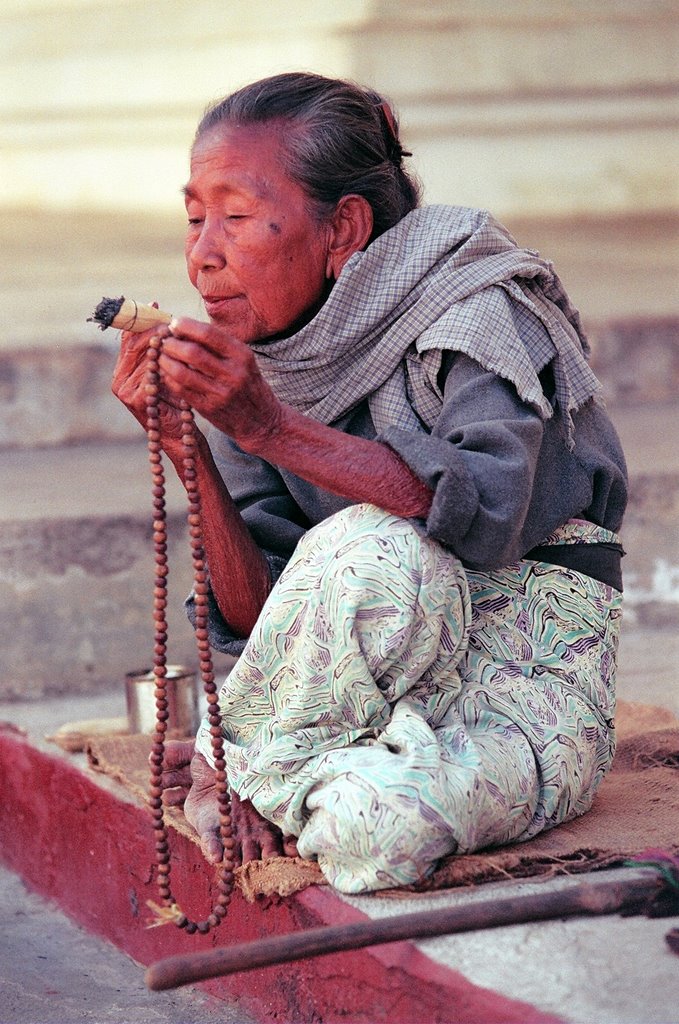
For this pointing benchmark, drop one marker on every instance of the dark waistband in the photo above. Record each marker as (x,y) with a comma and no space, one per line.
(601,561)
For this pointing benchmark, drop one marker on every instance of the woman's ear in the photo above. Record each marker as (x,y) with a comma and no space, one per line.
(351,227)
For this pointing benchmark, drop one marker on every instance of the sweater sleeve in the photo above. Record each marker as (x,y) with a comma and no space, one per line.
(480,461)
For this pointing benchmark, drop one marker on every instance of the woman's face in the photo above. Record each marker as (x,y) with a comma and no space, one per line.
(254,251)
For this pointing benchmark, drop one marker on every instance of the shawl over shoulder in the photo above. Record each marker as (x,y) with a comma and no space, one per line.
(415,292)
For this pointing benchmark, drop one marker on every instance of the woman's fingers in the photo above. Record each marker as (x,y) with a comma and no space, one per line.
(129,375)
(220,378)
(207,336)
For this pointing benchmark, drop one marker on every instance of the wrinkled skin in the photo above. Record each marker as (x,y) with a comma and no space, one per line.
(189,780)
(264,261)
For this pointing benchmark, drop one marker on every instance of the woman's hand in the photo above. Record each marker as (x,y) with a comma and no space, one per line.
(129,381)
(189,779)
(218,376)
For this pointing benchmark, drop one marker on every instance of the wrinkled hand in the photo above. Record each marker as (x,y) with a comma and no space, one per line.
(129,381)
(188,778)
(218,376)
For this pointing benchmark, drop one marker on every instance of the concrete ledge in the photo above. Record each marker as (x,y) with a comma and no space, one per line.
(90,849)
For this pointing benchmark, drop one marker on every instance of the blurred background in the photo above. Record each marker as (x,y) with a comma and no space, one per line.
(559,115)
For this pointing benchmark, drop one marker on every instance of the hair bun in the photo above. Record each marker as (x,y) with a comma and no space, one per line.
(395,149)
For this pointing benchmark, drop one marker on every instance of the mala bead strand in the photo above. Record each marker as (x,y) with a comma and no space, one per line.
(201,587)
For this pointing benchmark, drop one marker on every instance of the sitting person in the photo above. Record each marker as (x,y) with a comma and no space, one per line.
(411,492)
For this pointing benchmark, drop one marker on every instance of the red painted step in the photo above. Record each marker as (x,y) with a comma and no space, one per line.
(77,841)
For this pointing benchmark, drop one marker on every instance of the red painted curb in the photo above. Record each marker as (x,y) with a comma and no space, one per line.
(91,851)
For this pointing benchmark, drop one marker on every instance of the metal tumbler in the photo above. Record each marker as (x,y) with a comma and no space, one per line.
(182,701)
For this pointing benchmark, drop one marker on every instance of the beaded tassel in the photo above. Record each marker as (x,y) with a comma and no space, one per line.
(170,909)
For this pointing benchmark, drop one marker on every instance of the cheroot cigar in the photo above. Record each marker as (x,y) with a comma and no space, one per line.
(127,315)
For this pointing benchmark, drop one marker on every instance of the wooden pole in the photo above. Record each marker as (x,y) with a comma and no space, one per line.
(632,893)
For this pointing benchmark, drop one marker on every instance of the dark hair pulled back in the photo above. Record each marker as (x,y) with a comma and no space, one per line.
(339,139)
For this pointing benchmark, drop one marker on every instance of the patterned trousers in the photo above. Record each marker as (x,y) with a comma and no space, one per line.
(391,707)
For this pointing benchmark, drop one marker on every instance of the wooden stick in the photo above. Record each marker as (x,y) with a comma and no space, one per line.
(127,315)
(632,893)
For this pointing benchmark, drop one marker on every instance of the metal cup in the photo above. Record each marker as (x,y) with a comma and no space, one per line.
(182,701)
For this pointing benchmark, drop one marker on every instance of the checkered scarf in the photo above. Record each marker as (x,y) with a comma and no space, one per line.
(423,287)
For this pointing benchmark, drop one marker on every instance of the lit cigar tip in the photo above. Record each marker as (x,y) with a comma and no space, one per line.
(106,312)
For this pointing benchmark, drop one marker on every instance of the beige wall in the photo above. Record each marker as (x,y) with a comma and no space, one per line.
(530,106)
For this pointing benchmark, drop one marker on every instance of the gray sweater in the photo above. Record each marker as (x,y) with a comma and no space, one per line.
(503,478)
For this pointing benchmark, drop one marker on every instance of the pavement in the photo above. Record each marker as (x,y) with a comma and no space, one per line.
(54,972)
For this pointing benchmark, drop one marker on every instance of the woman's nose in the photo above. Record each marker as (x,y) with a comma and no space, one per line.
(207,251)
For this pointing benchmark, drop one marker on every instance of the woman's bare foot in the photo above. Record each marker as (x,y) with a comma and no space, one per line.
(188,778)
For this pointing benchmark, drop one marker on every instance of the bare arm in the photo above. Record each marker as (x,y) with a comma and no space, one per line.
(352,467)
(239,573)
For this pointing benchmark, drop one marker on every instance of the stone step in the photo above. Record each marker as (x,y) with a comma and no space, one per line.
(76,562)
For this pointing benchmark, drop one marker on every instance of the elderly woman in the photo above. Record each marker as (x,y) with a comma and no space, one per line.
(410,492)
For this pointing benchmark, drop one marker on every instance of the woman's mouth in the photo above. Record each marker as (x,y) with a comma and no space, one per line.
(216,304)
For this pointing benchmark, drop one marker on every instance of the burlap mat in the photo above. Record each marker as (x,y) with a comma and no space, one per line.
(636,807)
